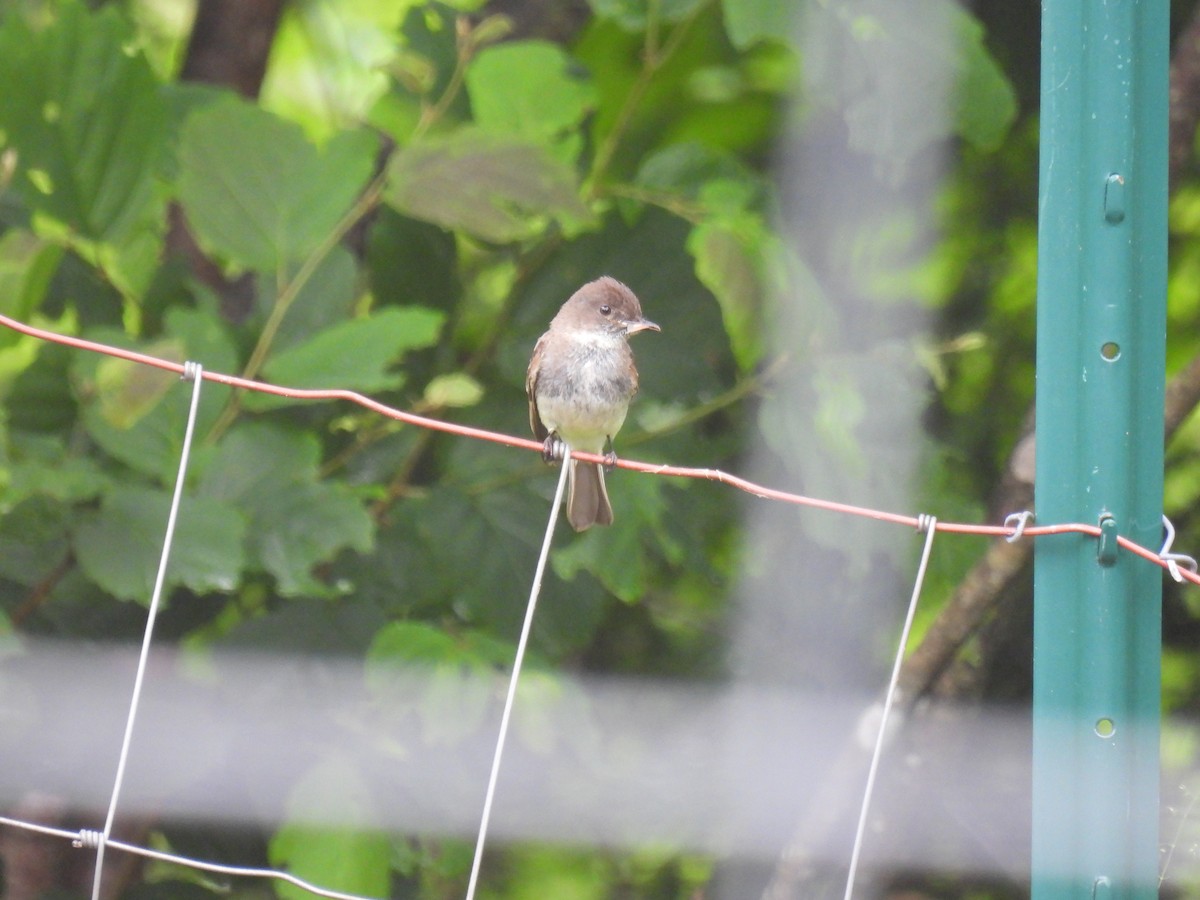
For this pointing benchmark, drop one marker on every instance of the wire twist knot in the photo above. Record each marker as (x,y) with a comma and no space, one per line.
(88,839)
(1174,560)
(1018,522)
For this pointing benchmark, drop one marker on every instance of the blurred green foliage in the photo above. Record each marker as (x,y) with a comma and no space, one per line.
(407,227)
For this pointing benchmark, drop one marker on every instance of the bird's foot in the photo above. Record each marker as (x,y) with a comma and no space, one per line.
(610,458)
(554,449)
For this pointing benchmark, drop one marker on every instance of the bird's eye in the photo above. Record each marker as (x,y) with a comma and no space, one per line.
(605,310)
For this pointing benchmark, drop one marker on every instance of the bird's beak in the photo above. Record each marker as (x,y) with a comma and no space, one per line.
(640,325)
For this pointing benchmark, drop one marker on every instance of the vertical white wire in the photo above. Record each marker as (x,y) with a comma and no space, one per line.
(518,659)
(930,530)
(194,371)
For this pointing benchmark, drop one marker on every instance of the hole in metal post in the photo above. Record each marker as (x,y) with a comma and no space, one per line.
(1110,350)
(1106,727)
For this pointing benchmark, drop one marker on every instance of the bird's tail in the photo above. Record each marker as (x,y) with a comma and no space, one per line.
(587,498)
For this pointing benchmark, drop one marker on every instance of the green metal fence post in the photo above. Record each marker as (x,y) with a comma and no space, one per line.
(1100,372)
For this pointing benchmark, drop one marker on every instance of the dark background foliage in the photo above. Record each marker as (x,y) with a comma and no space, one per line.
(830,209)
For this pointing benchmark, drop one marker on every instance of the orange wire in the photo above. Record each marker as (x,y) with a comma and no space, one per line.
(735,481)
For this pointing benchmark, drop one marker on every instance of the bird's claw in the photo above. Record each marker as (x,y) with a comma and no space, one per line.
(610,460)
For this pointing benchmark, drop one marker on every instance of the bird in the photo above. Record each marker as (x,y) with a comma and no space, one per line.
(580,382)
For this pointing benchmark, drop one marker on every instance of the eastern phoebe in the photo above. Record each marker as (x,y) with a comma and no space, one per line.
(580,381)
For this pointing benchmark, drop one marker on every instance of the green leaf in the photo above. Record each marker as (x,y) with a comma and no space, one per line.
(328,63)
(119,546)
(33,539)
(295,521)
(634,15)
(151,443)
(729,262)
(623,557)
(138,415)
(905,77)
(457,389)
(40,466)
(306,626)
(305,525)
(257,191)
(688,168)
(531,90)
(428,54)
(406,644)
(127,391)
(860,399)
(419,570)
(749,21)
(445,680)
(331,838)
(412,262)
(325,299)
(701,181)
(27,263)
(354,355)
(987,101)
(257,460)
(87,121)
(40,399)
(497,189)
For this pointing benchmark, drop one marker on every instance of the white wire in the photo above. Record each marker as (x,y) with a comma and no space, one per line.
(84,838)
(518,659)
(194,371)
(930,524)
(40,829)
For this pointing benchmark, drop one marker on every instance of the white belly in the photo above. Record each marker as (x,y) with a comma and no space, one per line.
(585,397)
(582,424)
(584,393)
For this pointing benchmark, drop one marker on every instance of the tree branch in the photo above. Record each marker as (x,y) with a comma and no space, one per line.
(1184,97)
(1001,572)
(1000,568)
(230,45)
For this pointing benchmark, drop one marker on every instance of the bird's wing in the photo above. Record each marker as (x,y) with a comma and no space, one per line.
(531,377)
